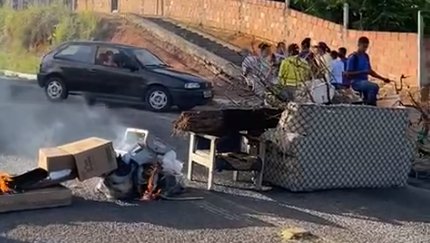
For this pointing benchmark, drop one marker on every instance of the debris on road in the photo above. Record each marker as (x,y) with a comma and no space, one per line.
(297,234)
(27,191)
(16,184)
(88,158)
(51,197)
(217,122)
(148,171)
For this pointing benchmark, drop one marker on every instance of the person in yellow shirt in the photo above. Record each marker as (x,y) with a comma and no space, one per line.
(292,73)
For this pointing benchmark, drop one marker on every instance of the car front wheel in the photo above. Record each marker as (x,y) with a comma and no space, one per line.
(158,99)
(55,89)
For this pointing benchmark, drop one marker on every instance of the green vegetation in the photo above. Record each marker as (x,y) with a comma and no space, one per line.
(25,35)
(384,15)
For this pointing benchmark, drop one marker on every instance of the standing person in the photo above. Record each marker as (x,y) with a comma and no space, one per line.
(293,72)
(249,66)
(358,71)
(342,55)
(336,71)
(280,54)
(324,60)
(265,61)
(308,55)
(277,58)
(306,52)
(257,69)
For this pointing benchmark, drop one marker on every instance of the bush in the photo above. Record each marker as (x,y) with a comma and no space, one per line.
(33,30)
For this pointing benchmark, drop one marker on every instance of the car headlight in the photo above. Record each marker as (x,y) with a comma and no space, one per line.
(192,85)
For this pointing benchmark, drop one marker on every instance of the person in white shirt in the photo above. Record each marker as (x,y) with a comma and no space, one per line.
(337,68)
(323,59)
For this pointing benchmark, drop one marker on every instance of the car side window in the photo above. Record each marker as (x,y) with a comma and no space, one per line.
(76,53)
(111,57)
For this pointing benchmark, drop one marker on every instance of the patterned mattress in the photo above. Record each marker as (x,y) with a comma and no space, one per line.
(319,147)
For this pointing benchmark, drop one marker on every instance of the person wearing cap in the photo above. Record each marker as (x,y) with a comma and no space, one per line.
(358,71)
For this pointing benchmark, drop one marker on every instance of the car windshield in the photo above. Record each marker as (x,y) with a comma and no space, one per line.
(146,58)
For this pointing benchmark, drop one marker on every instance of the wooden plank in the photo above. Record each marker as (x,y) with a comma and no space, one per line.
(36,199)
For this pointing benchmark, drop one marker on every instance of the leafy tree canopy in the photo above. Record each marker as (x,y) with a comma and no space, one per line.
(384,15)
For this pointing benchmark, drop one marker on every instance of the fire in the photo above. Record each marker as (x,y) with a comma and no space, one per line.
(5,179)
(152,192)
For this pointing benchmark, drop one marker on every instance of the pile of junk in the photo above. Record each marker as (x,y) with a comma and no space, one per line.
(148,169)
(141,167)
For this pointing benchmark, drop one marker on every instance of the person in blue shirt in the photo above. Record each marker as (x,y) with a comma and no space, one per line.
(358,71)
(342,55)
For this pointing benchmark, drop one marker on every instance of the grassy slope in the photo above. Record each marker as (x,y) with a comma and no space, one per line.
(24,34)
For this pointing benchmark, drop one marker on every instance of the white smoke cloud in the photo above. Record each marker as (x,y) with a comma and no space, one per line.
(28,121)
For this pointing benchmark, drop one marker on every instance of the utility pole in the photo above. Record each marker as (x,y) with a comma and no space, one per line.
(345,22)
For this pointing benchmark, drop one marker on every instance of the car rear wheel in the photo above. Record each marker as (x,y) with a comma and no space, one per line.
(158,99)
(55,89)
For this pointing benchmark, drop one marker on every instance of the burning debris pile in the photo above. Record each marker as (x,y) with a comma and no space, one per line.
(32,190)
(142,168)
(5,183)
(149,170)
(18,184)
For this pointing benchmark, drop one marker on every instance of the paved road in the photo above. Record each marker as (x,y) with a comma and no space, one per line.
(28,121)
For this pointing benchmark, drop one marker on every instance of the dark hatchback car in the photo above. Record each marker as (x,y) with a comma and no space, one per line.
(114,72)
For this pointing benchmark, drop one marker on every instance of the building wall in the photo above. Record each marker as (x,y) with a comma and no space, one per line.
(392,53)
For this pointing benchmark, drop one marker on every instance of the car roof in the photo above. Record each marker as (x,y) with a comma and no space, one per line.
(105,43)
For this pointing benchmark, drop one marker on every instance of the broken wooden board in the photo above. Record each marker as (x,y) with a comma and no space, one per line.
(51,197)
(222,122)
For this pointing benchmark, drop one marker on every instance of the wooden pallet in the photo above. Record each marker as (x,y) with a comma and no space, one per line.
(51,197)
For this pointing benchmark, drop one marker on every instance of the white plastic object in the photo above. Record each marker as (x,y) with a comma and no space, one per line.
(55,175)
(319,91)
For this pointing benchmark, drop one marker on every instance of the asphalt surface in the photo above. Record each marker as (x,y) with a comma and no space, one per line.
(28,121)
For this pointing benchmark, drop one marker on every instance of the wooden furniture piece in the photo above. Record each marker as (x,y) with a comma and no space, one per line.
(248,157)
(50,197)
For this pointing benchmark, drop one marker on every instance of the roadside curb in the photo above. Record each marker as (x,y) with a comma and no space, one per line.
(22,76)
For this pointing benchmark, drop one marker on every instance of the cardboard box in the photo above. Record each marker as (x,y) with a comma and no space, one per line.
(89,158)
(55,159)
(35,199)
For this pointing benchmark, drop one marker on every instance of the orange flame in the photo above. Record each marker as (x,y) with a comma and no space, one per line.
(5,179)
(150,193)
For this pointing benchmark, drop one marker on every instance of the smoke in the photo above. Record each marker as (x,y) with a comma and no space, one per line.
(29,122)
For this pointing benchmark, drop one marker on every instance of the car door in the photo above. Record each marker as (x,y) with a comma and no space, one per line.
(76,62)
(114,77)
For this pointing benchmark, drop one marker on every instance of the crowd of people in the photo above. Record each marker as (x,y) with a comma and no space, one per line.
(290,66)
